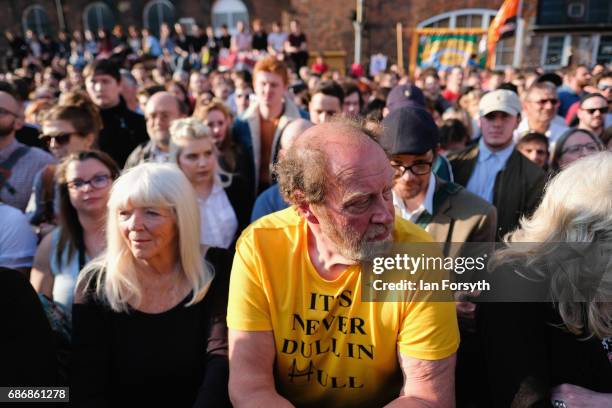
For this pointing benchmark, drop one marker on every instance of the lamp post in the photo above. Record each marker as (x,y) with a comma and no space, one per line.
(358,26)
(60,15)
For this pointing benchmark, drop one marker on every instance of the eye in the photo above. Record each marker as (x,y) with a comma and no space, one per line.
(152,213)
(124,214)
(191,156)
(359,205)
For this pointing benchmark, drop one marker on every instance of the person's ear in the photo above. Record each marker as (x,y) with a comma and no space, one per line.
(90,139)
(306,210)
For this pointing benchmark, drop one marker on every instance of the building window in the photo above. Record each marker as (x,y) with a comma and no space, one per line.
(504,52)
(98,16)
(442,23)
(464,18)
(157,12)
(35,18)
(566,12)
(229,12)
(553,51)
(604,51)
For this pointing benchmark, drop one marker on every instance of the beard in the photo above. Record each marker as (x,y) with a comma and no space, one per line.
(351,245)
(7,130)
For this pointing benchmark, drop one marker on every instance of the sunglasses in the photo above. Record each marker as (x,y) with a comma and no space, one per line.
(60,138)
(604,87)
(602,110)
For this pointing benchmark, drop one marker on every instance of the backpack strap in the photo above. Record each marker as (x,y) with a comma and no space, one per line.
(8,164)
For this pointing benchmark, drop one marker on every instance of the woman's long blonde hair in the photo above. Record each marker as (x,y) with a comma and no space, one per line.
(148,185)
(576,209)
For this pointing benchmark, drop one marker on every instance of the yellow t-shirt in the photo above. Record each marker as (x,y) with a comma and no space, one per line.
(332,349)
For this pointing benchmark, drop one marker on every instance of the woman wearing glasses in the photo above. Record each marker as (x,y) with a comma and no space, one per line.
(84,181)
(572,145)
(66,128)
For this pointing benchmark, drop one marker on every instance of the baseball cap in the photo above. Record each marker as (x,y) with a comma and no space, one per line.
(409,130)
(500,100)
(405,95)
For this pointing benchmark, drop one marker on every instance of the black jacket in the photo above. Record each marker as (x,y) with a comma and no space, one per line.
(518,187)
(123,131)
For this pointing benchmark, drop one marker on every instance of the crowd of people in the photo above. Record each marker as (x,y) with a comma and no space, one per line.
(184,217)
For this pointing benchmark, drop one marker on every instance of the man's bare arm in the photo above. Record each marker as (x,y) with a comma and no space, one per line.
(251,381)
(427,383)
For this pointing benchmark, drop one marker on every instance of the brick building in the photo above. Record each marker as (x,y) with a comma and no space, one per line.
(552,33)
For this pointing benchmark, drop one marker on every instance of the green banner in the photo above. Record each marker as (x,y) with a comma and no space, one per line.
(443,51)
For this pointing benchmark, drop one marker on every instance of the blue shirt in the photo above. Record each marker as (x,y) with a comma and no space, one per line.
(488,164)
(567,97)
(269,201)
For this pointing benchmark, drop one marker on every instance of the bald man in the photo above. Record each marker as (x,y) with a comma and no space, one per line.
(271,200)
(161,109)
(299,332)
(18,163)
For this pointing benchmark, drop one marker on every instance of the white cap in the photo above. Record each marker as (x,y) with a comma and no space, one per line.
(501,100)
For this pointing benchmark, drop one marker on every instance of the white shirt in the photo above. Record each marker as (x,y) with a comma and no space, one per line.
(488,164)
(277,40)
(426,205)
(554,131)
(218,220)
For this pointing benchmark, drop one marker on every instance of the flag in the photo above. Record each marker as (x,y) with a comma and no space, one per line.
(443,51)
(503,26)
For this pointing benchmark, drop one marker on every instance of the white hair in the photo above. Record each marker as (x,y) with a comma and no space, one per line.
(148,185)
(576,208)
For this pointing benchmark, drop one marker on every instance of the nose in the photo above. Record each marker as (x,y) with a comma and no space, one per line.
(202,161)
(384,212)
(135,222)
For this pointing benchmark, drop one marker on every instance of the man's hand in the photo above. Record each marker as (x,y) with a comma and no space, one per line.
(251,382)
(427,383)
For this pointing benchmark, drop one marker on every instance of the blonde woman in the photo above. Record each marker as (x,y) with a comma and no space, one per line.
(554,346)
(148,325)
(225,200)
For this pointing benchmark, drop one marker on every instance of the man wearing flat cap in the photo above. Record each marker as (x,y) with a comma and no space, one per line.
(493,169)
(405,95)
(451,214)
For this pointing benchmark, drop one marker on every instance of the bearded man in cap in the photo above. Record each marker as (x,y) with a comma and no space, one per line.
(493,169)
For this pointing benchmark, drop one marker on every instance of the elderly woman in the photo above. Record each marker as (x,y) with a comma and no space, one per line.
(572,145)
(84,180)
(225,200)
(554,345)
(148,325)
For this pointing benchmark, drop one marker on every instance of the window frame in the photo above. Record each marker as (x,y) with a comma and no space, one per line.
(39,28)
(99,16)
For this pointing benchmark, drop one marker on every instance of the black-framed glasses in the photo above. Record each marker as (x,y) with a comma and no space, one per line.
(576,149)
(60,138)
(96,182)
(603,110)
(418,169)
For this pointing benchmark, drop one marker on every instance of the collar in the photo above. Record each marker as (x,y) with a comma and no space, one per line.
(6,152)
(485,153)
(426,205)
